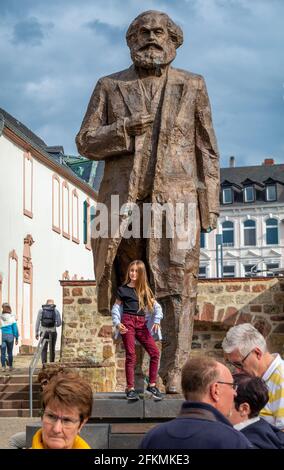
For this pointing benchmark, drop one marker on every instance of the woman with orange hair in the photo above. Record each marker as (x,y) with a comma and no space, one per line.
(137,315)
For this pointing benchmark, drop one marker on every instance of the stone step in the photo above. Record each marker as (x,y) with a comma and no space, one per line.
(15,404)
(21,413)
(16,396)
(130,428)
(114,405)
(16,387)
(16,379)
(128,435)
(26,350)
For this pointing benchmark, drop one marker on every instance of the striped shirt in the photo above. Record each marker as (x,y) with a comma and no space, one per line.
(273,412)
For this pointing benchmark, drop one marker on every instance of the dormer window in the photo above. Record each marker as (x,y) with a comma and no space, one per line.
(271,192)
(227,195)
(249,194)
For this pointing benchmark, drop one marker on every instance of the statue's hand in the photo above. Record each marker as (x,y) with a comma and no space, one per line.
(138,124)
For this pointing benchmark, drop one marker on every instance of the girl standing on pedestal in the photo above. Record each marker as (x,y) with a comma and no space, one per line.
(137,315)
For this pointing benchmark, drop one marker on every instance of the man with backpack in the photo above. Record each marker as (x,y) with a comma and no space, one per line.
(48,319)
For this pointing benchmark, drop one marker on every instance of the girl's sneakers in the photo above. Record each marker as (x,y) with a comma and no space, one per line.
(155,392)
(132,395)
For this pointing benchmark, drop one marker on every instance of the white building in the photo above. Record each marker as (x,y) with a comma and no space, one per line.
(45,225)
(251,222)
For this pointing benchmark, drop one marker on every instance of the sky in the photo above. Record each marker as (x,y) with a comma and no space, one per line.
(53,52)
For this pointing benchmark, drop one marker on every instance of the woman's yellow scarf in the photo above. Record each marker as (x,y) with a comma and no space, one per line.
(78,443)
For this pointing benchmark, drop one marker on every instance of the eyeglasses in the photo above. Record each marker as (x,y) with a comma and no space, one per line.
(240,364)
(232,384)
(50,418)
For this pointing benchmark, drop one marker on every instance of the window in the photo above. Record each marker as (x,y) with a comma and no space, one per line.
(65,210)
(271,192)
(56,204)
(13,277)
(228,233)
(249,194)
(271,266)
(272,232)
(250,270)
(202,240)
(249,233)
(75,216)
(228,271)
(202,272)
(1,281)
(227,196)
(87,225)
(28,185)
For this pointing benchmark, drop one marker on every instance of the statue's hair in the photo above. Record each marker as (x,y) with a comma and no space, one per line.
(175,32)
(243,337)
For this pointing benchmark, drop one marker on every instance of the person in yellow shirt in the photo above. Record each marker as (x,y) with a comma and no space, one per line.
(245,348)
(67,405)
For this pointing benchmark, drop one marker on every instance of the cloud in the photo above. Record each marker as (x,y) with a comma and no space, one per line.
(67,46)
(29,32)
(109,32)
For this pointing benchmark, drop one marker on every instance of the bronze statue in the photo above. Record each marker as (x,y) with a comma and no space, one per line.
(152,126)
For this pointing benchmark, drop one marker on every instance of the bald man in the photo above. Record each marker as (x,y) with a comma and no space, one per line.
(209,391)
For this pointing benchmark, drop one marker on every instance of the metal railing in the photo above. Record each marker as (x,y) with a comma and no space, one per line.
(33,364)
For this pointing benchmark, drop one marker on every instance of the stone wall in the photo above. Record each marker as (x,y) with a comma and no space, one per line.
(223,303)
(87,335)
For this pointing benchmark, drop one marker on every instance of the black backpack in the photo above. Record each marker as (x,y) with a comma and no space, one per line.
(48,316)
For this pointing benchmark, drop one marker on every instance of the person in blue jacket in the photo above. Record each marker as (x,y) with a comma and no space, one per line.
(252,396)
(202,423)
(9,331)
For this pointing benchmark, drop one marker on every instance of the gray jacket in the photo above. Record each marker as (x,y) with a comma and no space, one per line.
(39,329)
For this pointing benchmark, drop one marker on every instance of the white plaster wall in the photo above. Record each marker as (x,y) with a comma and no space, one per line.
(52,254)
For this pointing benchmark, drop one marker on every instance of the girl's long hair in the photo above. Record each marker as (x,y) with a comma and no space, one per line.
(144,293)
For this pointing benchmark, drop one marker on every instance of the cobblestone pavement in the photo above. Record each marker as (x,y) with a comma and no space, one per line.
(9,426)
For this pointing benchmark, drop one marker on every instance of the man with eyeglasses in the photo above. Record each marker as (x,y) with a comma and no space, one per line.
(245,348)
(209,390)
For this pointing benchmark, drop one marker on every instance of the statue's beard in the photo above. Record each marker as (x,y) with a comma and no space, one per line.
(153,57)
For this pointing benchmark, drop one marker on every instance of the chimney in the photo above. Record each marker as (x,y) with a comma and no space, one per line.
(232,162)
(268,161)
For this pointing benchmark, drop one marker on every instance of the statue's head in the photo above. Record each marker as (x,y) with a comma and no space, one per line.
(153,39)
